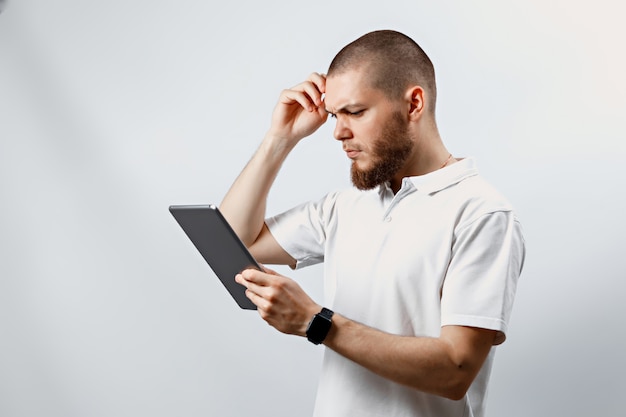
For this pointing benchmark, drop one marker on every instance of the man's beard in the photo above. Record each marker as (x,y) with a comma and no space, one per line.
(389,153)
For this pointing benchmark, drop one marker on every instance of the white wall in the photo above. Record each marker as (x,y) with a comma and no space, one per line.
(112,111)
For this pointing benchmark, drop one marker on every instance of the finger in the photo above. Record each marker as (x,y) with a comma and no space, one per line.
(261,303)
(319,80)
(298,96)
(253,291)
(314,87)
(256,277)
(315,78)
(239,279)
(307,94)
(312,90)
(321,111)
(250,285)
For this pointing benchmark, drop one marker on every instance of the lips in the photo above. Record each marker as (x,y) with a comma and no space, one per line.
(351,153)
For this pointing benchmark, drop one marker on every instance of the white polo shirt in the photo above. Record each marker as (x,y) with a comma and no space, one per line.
(447,249)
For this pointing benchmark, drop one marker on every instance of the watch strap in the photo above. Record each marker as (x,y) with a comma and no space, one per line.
(326,313)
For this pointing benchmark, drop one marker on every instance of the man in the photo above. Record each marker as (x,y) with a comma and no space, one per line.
(421,258)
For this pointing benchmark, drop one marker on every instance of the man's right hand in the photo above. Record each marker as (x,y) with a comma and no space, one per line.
(300,110)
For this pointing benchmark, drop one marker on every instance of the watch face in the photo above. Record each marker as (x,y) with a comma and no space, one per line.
(318,329)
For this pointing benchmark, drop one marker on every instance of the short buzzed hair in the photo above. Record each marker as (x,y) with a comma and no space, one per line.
(393,61)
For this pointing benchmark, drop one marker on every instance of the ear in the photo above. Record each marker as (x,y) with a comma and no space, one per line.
(416,99)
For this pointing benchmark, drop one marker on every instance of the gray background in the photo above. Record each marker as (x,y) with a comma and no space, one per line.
(110,111)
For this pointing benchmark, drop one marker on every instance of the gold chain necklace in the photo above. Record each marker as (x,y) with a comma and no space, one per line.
(447,160)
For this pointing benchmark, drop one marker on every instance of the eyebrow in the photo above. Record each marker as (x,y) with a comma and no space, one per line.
(348,108)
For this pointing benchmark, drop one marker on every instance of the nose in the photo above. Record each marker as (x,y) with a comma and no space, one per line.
(342,130)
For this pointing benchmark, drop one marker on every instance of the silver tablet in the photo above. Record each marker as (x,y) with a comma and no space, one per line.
(211,234)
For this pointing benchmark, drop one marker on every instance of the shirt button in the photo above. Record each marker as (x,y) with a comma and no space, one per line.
(388,219)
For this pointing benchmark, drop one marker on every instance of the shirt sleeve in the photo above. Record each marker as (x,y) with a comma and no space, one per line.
(479,287)
(301,231)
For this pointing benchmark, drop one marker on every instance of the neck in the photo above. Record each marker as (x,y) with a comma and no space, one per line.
(429,154)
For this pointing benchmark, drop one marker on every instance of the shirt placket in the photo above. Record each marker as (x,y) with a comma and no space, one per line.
(391,201)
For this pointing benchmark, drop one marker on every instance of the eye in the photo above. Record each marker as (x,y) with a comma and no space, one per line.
(357,113)
(333,115)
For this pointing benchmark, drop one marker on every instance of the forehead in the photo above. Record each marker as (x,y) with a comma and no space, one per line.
(349,88)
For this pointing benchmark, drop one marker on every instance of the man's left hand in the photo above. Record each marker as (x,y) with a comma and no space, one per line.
(280,301)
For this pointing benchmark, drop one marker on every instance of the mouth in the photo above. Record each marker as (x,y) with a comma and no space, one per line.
(352,153)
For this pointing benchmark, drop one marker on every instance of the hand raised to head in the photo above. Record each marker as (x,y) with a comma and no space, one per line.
(300,110)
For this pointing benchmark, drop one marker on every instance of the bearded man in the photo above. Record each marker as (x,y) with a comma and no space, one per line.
(421,257)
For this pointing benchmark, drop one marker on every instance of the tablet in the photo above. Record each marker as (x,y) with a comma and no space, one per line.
(216,241)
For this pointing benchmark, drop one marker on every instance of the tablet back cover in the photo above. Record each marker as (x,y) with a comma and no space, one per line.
(219,245)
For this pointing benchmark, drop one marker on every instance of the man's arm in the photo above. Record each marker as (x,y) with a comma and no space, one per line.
(444,366)
(300,112)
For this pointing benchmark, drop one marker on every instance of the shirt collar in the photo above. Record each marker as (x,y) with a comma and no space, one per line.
(443,178)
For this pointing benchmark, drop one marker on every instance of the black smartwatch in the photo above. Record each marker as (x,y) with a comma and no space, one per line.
(319,326)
